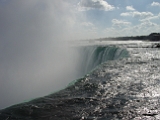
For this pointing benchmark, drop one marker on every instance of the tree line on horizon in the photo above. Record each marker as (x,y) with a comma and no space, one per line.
(150,37)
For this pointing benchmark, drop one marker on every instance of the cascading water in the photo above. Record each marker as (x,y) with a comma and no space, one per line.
(95,55)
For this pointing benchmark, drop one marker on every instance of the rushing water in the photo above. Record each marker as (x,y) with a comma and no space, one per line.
(122,82)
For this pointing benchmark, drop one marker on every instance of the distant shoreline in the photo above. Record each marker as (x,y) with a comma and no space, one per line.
(150,37)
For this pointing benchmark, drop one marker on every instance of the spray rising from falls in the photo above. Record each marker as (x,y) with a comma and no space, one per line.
(53,71)
(35,59)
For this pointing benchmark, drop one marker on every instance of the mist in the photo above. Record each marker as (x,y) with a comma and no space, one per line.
(35,57)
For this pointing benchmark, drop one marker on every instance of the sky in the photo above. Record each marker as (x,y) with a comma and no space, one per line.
(94,18)
(110,18)
(35,58)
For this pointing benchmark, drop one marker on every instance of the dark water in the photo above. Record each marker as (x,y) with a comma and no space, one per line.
(123,83)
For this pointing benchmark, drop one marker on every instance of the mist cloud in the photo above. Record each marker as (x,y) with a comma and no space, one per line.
(35,57)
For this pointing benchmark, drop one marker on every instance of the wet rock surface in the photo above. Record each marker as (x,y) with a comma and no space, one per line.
(121,89)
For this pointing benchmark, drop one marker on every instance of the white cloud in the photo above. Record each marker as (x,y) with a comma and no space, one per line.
(130,8)
(151,18)
(94,4)
(143,28)
(120,23)
(142,14)
(126,14)
(111,32)
(87,24)
(147,24)
(146,27)
(155,4)
(136,14)
(88,27)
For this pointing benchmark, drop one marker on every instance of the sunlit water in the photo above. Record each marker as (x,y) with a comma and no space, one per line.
(122,88)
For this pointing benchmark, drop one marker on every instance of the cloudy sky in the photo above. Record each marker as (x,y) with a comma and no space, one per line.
(35,58)
(120,17)
(95,18)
